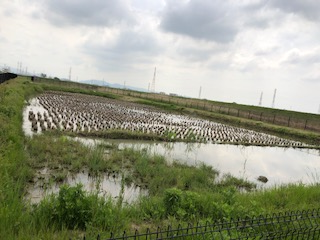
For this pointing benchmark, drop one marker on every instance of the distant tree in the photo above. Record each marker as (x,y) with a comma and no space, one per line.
(43,75)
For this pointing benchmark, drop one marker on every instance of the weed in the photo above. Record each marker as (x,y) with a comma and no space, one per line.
(229,180)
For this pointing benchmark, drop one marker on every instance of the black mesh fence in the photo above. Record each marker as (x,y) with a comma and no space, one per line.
(289,225)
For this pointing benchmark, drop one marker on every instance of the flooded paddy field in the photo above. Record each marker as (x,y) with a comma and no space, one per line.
(280,160)
(279,165)
(82,113)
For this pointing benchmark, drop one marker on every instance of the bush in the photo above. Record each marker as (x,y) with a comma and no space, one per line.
(182,204)
(73,207)
(70,209)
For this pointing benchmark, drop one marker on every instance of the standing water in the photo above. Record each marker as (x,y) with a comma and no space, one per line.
(109,186)
(279,165)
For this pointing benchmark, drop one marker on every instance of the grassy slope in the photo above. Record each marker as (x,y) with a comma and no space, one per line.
(13,170)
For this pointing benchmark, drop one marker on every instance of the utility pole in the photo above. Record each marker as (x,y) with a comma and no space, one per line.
(70,74)
(199,93)
(274,98)
(153,85)
(260,102)
(19,68)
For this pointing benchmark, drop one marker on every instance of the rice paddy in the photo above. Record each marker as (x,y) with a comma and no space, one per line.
(91,115)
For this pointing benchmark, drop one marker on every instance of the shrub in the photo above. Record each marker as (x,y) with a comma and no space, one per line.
(181,204)
(70,209)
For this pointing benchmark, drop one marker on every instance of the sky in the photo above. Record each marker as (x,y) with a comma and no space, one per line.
(233,50)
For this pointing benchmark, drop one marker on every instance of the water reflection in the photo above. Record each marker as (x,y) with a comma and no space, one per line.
(35,106)
(279,165)
(104,185)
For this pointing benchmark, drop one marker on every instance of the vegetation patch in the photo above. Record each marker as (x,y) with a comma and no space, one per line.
(160,105)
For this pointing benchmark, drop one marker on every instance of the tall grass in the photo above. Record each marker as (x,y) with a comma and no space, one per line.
(13,169)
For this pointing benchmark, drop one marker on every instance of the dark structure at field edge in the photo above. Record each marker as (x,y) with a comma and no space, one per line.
(7,76)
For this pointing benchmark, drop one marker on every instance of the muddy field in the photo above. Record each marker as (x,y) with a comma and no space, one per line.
(88,114)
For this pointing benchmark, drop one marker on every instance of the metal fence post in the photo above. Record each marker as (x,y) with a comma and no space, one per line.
(305,125)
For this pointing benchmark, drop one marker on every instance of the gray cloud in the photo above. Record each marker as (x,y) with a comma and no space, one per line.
(130,48)
(296,57)
(200,54)
(88,13)
(211,20)
(308,9)
(195,54)
(136,42)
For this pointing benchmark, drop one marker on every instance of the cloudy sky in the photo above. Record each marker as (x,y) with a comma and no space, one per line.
(232,49)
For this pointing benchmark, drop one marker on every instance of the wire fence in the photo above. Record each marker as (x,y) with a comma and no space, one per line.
(286,120)
(262,116)
(288,225)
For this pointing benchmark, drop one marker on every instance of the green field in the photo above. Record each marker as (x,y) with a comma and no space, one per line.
(177,193)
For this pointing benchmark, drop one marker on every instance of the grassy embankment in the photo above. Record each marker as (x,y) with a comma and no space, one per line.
(177,193)
(308,137)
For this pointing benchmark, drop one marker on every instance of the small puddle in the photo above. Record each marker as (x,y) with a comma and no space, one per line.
(104,185)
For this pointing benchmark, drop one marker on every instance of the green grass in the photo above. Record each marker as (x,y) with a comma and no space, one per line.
(269,111)
(281,131)
(77,90)
(177,193)
(13,168)
(162,105)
